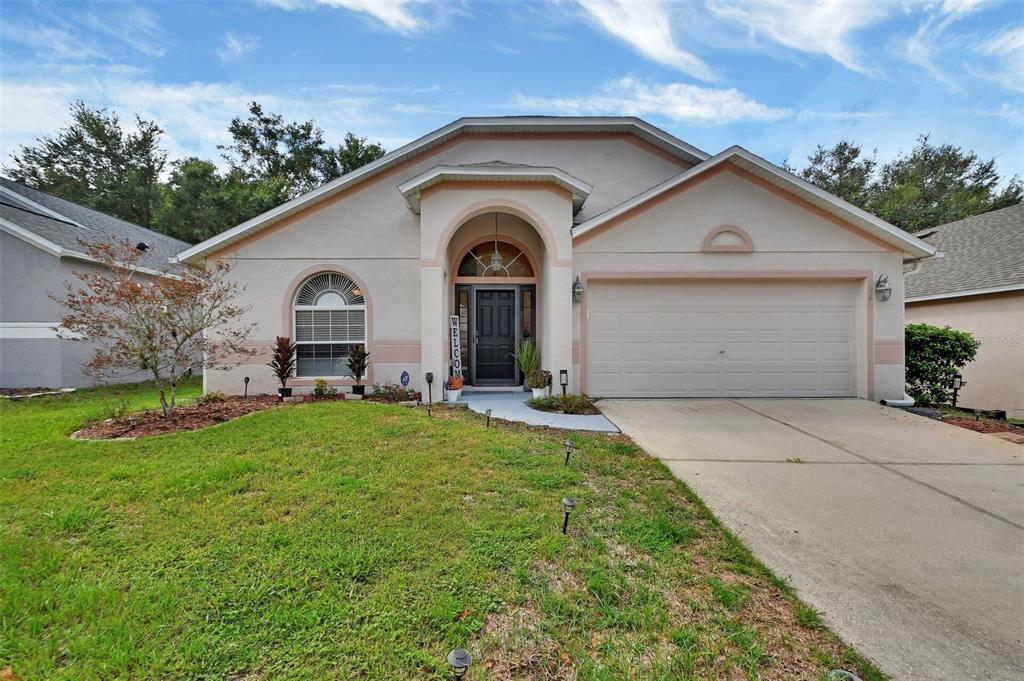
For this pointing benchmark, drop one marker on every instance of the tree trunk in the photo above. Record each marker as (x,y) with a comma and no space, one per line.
(163,399)
(174,393)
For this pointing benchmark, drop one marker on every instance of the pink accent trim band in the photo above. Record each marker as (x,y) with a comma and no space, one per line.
(888,352)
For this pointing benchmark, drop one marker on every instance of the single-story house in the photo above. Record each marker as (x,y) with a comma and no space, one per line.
(975,283)
(641,265)
(40,249)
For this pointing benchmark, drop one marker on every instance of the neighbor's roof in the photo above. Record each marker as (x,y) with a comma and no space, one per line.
(977,255)
(58,227)
(910,245)
(500,124)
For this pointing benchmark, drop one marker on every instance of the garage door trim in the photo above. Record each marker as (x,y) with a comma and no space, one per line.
(862,276)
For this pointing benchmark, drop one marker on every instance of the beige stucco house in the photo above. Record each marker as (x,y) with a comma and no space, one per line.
(975,283)
(641,265)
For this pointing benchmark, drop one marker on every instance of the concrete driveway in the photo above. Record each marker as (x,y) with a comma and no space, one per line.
(907,534)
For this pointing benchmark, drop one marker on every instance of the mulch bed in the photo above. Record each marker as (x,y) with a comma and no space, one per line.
(189,417)
(985,426)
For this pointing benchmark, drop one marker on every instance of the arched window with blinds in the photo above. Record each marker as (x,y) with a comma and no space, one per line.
(330,320)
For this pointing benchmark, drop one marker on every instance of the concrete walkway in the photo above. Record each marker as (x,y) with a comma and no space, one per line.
(906,533)
(511,406)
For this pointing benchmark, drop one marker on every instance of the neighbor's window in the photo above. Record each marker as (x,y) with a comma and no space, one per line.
(330,320)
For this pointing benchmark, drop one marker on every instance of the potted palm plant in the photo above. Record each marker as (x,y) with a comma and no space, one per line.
(282,363)
(527,357)
(455,384)
(358,360)
(538,382)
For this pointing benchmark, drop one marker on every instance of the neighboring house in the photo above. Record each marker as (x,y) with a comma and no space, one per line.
(642,266)
(976,283)
(41,249)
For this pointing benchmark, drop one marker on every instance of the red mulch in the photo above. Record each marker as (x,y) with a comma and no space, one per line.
(985,426)
(184,418)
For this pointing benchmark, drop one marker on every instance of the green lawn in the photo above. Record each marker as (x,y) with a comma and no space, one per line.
(344,540)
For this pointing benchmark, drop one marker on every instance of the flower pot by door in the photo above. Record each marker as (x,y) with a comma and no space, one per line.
(283,393)
(453,396)
(539,393)
(359,390)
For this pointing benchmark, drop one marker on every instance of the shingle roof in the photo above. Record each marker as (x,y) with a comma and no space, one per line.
(67,224)
(981,252)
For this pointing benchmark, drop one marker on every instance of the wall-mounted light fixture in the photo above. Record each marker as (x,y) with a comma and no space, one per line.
(577,290)
(883,291)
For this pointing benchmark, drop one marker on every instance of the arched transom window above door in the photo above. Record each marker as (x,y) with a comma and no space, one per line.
(330,320)
(495,259)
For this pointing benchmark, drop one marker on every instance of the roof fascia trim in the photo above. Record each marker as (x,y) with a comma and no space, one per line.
(969,292)
(411,189)
(49,212)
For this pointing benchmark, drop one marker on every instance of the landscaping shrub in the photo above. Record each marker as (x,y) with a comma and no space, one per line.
(934,357)
(322,389)
(564,404)
(211,397)
(392,392)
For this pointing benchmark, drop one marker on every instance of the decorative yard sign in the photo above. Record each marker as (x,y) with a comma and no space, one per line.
(455,343)
(405,379)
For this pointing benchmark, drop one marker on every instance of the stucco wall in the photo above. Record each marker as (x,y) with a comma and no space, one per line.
(787,237)
(995,379)
(371,232)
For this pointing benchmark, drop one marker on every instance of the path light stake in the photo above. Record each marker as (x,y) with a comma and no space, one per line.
(430,384)
(245,393)
(563,378)
(459,659)
(488,418)
(133,421)
(568,503)
(569,446)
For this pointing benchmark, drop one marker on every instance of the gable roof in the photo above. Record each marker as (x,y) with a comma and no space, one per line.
(494,171)
(502,124)
(58,227)
(911,246)
(977,255)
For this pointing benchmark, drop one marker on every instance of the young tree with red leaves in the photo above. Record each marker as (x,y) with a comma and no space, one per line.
(163,325)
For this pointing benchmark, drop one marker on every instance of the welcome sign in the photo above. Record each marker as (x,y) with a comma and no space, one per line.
(455,345)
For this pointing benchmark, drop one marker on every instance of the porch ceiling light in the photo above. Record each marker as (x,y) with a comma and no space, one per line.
(496,260)
(883,291)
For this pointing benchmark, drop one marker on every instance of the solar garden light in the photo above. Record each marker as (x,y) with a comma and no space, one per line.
(958,384)
(430,383)
(488,418)
(459,659)
(245,392)
(563,378)
(568,503)
(569,446)
(842,675)
(133,421)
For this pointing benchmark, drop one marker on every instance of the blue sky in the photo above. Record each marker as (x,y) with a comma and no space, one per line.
(775,77)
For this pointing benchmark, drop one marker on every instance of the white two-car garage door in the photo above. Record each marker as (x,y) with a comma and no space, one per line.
(722,339)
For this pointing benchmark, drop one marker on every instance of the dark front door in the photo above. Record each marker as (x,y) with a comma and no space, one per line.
(495,335)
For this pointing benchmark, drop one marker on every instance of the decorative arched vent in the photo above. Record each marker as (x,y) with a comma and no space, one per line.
(727,239)
(330,320)
(329,289)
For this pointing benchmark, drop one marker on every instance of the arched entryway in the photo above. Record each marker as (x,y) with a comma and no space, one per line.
(495,276)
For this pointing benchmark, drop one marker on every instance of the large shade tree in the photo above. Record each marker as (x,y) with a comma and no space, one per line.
(932,185)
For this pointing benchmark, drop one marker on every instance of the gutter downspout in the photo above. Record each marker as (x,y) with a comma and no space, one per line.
(907,401)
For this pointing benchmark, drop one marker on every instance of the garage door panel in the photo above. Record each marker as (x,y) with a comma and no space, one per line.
(722,339)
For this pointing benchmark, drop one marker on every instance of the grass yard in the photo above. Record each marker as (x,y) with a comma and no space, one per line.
(355,540)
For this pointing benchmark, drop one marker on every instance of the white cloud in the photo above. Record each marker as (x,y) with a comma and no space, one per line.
(397,15)
(50,41)
(815,26)
(135,26)
(646,27)
(1006,50)
(922,48)
(674,101)
(235,46)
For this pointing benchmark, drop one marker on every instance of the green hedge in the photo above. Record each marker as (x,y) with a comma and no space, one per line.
(934,357)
